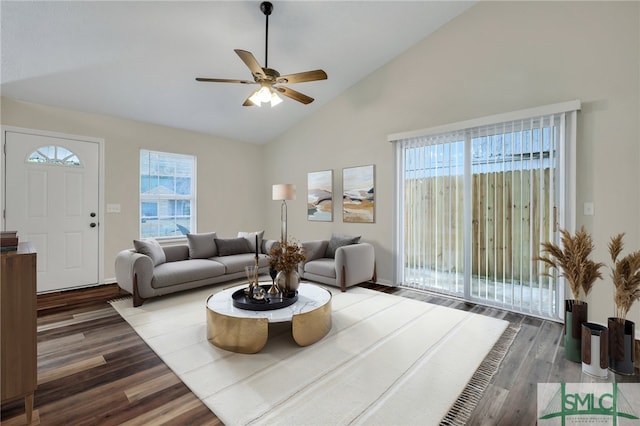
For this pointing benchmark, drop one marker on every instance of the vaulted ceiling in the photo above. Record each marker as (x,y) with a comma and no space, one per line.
(139,59)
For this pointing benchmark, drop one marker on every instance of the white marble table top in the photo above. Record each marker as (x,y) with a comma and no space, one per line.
(310,298)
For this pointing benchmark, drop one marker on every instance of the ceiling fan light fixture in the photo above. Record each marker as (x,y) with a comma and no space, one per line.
(260,96)
(265,95)
(275,99)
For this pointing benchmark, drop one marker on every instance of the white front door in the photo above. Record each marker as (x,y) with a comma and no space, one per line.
(52,200)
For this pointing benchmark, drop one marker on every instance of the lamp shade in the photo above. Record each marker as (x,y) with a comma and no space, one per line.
(284,191)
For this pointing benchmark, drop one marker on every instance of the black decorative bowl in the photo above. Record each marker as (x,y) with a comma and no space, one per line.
(269,303)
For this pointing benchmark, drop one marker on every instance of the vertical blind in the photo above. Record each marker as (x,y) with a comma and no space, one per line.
(473,206)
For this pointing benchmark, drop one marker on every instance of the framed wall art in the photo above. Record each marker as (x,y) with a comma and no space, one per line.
(358,194)
(320,196)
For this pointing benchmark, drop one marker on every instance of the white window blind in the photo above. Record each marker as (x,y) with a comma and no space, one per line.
(475,200)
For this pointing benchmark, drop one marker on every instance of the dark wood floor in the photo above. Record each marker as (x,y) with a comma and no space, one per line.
(94,369)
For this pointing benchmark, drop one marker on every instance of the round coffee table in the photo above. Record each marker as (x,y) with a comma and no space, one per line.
(246,331)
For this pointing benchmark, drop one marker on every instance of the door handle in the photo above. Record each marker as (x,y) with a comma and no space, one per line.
(92,214)
(93,224)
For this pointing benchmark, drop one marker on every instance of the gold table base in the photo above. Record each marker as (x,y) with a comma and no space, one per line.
(249,335)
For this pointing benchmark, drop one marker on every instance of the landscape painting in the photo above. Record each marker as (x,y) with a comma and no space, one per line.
(320,196)
(358,194)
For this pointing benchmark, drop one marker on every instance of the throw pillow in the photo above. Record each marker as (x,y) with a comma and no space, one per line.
(151,248)
(337,241)
(229,246)
(202,246)
(251,240)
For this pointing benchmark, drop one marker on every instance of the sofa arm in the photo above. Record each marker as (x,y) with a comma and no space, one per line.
(130,264)
(268,245)
(355,264)
(314,249)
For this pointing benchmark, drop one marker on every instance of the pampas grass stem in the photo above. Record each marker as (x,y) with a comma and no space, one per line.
(571,259)
(625,274)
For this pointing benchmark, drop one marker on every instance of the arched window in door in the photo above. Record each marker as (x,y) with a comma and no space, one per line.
(54,155)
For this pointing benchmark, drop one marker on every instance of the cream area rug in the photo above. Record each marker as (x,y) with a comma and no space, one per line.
(387,360)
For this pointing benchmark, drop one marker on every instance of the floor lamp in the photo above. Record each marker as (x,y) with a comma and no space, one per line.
(283,192)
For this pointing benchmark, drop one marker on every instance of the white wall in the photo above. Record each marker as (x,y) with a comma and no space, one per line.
(496,57)
(228,172)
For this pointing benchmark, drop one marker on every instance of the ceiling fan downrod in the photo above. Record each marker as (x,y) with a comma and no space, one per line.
(266,8)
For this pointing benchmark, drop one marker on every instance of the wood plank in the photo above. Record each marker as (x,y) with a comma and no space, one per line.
(491,405)
(68,298)
(150,387)
(55,345)
(70,369)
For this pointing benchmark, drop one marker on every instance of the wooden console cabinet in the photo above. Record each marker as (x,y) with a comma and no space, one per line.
(18,374)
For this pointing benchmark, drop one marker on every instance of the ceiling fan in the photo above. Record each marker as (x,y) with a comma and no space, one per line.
(270,80)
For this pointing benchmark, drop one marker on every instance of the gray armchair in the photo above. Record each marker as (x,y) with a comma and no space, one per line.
(352,264)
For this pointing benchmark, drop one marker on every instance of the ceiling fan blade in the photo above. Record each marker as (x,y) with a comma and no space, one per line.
(290,93)
(301,77)
(251,62)
(224,80)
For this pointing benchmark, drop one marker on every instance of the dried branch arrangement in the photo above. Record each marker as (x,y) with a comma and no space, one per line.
(625,273)
(286,257)
(571,258)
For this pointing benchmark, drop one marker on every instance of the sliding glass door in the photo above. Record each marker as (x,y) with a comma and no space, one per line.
(434,214)
(473,206)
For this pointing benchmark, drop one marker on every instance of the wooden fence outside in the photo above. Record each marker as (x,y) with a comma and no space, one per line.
(511,216)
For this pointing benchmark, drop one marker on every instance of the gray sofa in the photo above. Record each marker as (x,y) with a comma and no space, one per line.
(342,262)
(151,270)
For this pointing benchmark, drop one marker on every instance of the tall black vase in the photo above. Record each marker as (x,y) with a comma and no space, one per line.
(575,313)
(272,273)
(621,345)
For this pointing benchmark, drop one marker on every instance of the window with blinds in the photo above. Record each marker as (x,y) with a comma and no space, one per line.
(475,201)
(167,194)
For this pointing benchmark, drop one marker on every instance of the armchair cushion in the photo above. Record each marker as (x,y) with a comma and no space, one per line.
(323,266)
(339,241)
(314,249)
(151,248)
(202,246)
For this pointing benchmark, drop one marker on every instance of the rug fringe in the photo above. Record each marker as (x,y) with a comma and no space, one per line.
(461,410)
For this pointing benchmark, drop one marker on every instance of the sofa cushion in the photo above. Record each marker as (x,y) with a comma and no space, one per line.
(184,271)
(177,252)
(229,246)
(337,241)
(251,239)
(202,246)
(324,266)
(151,248)
(237,262)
